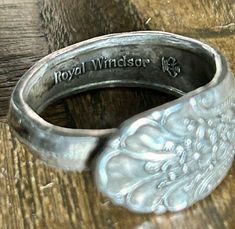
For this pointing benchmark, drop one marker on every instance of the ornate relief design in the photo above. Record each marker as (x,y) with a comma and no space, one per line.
(171,158)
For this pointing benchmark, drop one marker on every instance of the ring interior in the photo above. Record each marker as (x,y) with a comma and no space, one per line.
(172,69)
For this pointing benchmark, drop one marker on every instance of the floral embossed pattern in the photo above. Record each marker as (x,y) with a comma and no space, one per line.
(171,158)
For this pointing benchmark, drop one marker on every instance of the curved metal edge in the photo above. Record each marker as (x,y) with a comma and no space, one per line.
(170,157)
(64,143)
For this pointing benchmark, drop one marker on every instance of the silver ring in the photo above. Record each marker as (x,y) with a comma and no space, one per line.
(164,159)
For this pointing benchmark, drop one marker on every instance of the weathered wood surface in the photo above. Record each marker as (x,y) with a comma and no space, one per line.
(33,195)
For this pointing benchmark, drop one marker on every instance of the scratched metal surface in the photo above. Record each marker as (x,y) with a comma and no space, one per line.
(36,196)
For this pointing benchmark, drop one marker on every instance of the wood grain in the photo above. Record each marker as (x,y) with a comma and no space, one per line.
(33,195)
(22,43)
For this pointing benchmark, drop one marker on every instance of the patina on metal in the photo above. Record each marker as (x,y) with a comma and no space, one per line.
(164,159)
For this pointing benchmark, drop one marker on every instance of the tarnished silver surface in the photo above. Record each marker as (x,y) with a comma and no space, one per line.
(164,159)
(169,157)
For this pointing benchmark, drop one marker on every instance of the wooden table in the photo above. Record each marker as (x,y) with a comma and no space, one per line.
(33,195)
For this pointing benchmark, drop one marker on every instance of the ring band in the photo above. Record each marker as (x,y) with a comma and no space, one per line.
(164,159)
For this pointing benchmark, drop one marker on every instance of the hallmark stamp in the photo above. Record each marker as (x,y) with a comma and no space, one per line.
(122,62)
(61,76)
(97,64)
(171,66)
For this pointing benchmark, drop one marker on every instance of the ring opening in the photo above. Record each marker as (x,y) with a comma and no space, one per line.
(173,69)
(103,108)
